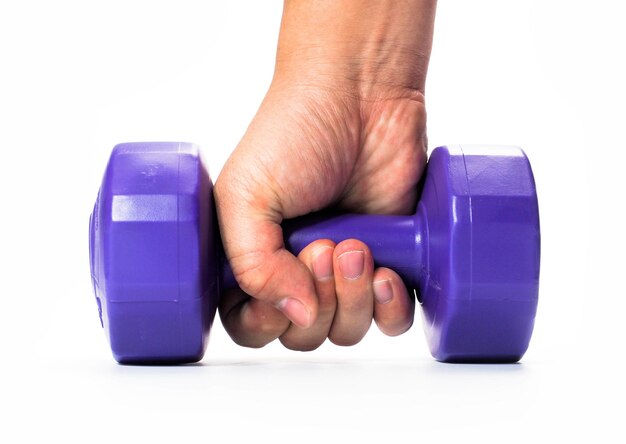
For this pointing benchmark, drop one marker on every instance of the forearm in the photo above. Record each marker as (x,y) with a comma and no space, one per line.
(361,43)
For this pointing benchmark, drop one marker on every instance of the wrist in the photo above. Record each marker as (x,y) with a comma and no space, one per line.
(358,46)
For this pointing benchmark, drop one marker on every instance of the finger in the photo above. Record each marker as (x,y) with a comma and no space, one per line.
(354,268)
(394,309)
(253,244)
(250,322)
(318,257)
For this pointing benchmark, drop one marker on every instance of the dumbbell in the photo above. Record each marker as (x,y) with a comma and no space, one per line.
(471,252)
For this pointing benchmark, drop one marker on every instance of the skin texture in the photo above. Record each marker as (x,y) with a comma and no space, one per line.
(343,125)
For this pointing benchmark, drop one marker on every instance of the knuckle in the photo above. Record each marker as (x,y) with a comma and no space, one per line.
(246,342)
(300,345)
(350,334)
(249,272)
(356,301)
(260,326)
(327,311)
(261,320)
(343,341)
(251,329)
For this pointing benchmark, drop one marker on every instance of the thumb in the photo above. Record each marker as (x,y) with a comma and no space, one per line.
(254,246)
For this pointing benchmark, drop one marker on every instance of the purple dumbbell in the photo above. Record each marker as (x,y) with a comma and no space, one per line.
(471,251)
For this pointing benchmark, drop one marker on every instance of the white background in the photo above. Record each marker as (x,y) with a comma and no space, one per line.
(78,77)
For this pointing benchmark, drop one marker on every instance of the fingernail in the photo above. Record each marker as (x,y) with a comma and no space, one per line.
(351,264)
(295,311)
(323,263)
(383,292)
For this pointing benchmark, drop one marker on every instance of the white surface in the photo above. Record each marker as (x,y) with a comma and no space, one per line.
(75,79)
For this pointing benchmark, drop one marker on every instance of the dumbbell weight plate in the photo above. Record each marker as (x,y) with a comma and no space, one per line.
(480,286)
(154,263)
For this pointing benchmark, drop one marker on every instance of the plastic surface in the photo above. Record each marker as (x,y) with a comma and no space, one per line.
(471,251)
(152,255)
(479,291)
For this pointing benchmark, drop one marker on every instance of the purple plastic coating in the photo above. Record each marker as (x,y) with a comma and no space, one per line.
(471,251)
(154,266)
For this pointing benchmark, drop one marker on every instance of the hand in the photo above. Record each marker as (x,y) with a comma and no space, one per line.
(343,124)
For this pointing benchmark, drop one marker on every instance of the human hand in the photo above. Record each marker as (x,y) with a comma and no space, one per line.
(344,125)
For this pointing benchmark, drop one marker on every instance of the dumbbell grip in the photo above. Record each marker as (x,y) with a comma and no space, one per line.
(395,241)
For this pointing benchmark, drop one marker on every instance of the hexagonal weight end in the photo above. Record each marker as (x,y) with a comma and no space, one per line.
(480,291)
(153,260)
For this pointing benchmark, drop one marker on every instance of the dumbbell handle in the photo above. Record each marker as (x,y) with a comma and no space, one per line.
(395,241)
